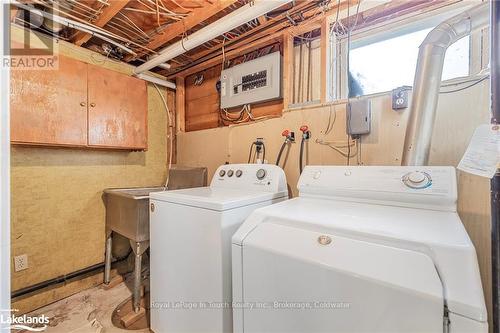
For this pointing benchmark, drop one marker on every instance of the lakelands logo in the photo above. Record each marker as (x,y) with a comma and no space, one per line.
(34,51)
(24,322)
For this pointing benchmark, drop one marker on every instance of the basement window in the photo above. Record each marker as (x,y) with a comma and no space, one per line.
(390,63)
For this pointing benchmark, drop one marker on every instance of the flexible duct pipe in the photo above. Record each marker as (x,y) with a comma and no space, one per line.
(428,80)
(227,23)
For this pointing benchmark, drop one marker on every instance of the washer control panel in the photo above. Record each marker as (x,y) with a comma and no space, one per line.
(261,174)
(417,179)
(428,186)
(248,176)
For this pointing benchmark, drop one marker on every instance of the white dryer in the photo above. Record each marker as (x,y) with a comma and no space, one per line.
(362,249)
(191,232)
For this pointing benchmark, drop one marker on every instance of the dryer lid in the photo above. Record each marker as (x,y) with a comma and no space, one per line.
(392,289)
(438,234)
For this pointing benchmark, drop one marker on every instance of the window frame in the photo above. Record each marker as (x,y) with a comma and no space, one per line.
(394,28)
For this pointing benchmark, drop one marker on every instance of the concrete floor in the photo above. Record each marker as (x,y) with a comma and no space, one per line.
(89,311)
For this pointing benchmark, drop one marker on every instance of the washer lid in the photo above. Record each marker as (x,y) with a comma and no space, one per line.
(216,198)
(438,234)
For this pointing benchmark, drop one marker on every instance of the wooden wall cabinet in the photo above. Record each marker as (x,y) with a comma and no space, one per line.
(117,110)
(50,107)
(79,105)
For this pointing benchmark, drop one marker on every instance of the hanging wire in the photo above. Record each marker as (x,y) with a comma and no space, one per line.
(132,24)
(466,87)
(105,35)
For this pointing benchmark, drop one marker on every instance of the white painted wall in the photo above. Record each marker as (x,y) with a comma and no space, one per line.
(4,171)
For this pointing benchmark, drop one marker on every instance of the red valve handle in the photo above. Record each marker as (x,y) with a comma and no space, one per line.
(304,128)
(285,133)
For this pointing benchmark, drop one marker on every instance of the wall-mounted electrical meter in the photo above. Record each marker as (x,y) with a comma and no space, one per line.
(253,81)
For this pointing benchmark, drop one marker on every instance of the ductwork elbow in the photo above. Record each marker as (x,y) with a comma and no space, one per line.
(427,80)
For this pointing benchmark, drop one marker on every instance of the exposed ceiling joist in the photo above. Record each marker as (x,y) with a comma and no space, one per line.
(267,28)
(197,16)
(260,36)
(239,51)
(107,14)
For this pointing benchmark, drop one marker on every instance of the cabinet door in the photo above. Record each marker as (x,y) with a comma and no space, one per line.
(117,110)
(49,107)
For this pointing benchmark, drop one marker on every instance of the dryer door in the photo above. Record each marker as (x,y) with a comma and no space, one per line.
(297,280)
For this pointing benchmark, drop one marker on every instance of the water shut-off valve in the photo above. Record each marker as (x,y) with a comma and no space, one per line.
(289,136)
(306,133)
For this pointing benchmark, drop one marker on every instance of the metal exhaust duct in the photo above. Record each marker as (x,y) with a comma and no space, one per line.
(242,15)
(427,81)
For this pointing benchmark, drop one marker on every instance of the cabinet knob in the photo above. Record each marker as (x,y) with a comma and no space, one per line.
(92,105)
(82,104)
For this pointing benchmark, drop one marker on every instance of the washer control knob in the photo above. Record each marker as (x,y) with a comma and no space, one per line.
(239,173)
(222,173)
(317,174)
(261,174)
(230,173)
(417,179)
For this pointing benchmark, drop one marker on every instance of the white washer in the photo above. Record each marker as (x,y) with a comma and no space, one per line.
(191,232)
(362,249)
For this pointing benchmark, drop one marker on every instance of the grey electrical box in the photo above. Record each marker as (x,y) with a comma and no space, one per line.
(251,82)
(358,117)
(400,97)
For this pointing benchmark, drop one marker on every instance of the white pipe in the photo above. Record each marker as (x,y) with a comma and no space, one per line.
(164,66)
(5,260)
(153,79)
(227,23)
(427,81)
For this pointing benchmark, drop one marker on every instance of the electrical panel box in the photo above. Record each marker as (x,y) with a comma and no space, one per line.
(253,81)
(358,117)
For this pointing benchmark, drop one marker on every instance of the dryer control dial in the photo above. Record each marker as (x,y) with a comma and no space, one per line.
(222,173)
(417,179)
(261,174)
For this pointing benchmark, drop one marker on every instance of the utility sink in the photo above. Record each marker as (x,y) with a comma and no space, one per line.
(127,211)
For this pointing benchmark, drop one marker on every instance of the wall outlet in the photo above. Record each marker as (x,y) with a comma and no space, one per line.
(20,262)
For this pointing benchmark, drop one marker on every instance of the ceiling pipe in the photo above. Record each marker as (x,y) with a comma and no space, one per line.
(427,81)
(154,79)
(164,65)
(240,16)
